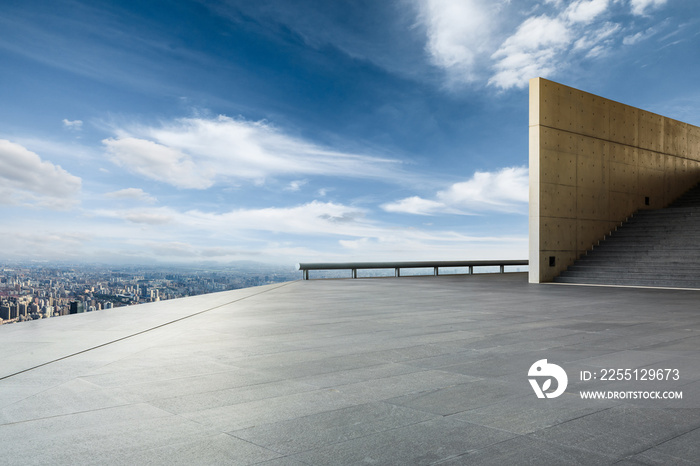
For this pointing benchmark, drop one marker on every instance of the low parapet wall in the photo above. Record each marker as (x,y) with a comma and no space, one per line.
(594,162)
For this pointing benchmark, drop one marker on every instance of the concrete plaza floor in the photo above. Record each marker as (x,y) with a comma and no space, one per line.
(412,370)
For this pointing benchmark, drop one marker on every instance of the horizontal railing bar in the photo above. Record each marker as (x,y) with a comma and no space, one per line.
(397,266)
(406,265)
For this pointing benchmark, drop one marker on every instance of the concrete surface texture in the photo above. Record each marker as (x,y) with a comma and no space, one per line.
(593,162)
(419,370)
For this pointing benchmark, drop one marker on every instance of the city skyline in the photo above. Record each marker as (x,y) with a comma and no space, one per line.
(220,131)
(33,291)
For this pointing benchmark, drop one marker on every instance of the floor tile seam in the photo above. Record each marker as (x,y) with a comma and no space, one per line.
(487,405)
(661,443)
(85,378)
(146,331)
(661,351)
(337,386)
(476,450)
(206,432)
(234,367)
(388,429)
(529,436)
(472,379)
(330,373)
(404,426)
(472,451)
(520,434)
(558,443)
(614,459)
(281,455)
(683,338)
(666,356)
(346,397)
(48,388)
(311,388)
(103,408)
(203,392)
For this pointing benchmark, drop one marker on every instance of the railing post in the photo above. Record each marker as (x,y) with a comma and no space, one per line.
(435,272)
(503,268)
(306,274)
(397,272)
(471,270)
(354,273)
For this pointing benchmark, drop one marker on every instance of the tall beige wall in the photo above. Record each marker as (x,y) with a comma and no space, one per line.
(594,162)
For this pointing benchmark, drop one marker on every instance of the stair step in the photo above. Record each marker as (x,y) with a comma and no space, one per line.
(652,248)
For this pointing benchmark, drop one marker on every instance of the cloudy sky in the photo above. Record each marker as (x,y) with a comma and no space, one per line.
(307,130)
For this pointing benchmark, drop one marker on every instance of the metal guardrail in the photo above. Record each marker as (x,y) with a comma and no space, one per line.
(397,266)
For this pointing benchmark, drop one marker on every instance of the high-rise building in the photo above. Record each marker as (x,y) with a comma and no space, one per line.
(77,307)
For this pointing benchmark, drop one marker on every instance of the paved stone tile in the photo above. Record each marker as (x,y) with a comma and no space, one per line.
(113,376)
(489,365)
(346,377)
(217,449)
(623,430)
(403,353)
(625,359)
(326,365)
(74,396)
(232,396)
(82,438)
(685,447)
(323,429)
(653,457)
(283,461)
(424,443)
(457,398)
(281,408)
(169,387)
(527,414)
(391,387)
(525,450)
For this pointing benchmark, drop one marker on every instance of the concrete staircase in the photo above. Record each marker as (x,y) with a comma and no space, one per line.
(652,248)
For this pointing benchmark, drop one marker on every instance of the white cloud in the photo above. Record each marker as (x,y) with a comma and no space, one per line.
(458,31)
(471,37)
(295,185)
(503,191)
(149,218)
(639,7)
(415,205)
(74,125)
(594,37)
(196,153)
(585,11)
(638,37)
(315,218)
(530,52)
(159,162)
(26,179)
(133,194)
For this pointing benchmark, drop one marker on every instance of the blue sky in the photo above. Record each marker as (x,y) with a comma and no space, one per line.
(285,131)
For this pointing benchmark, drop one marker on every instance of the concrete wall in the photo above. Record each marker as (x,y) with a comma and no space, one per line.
(594,162)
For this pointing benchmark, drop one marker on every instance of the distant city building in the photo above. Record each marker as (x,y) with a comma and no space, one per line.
(5,312)
(77,307)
